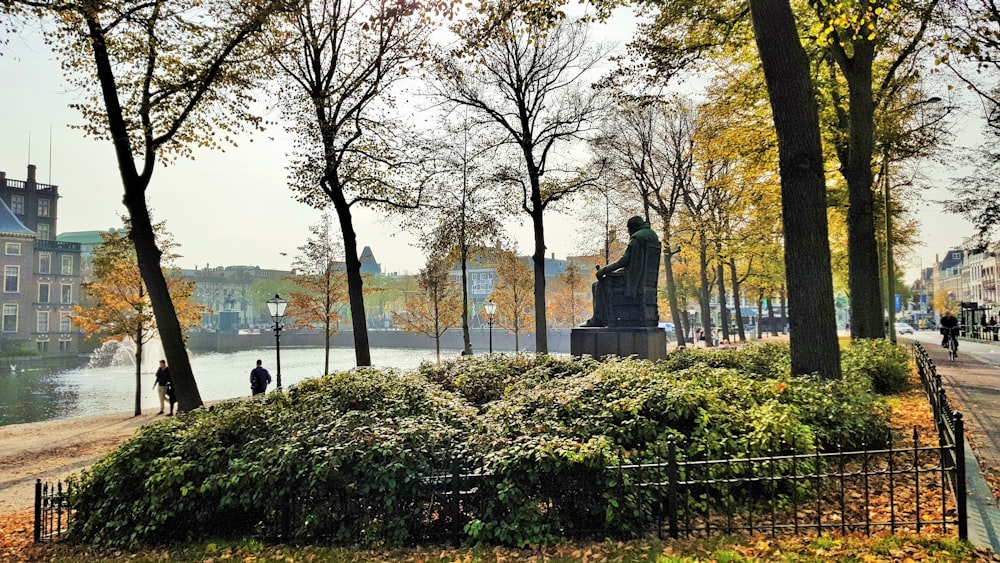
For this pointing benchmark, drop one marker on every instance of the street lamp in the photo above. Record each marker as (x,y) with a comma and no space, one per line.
(276,308)
(491,309)
(890,277)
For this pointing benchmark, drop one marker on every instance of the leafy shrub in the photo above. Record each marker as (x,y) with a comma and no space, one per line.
(884,363)
(340,457)
(347,458)
(481,379)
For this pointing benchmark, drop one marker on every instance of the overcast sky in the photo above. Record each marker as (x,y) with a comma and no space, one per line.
(233,207)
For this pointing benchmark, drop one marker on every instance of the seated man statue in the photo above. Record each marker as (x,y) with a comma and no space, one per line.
(641,256)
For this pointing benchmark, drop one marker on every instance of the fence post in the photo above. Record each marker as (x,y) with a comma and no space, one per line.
(960,500)
(38,510)
(457,533)
(672,488)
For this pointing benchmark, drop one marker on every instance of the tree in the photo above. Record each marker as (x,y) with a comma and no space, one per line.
(321,283)
(513,295)
(465,208)
(529,84)
(813,338)
(436,308)
(570,303)
(160,78)
(119,305)
(340,59)
(648,142)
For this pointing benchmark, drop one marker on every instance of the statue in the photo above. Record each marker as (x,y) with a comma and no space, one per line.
(625,290)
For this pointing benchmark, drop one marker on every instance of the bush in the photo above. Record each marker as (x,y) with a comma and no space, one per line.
(885,364)
(346,458)
(339,457)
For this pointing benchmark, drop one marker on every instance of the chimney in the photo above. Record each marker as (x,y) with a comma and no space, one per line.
(31,173)
(3,179)
(553,255)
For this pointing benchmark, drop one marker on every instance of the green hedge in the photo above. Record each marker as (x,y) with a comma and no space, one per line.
(342,458)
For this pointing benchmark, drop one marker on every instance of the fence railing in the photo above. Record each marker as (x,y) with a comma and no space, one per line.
(775,494)
(950,427)
(52,512)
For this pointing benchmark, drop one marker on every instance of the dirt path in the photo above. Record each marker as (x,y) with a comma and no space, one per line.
(55,449)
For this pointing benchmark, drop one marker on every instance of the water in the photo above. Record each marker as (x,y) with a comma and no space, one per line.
(86,391)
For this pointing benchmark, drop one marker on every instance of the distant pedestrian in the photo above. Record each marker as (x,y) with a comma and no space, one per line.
(164,385)
(259,379)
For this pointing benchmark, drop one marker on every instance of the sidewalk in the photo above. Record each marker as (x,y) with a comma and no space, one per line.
(972,383)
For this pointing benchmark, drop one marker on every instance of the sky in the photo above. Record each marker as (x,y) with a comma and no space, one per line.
(233,207)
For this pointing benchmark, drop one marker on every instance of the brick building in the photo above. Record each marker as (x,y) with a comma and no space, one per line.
(41,276)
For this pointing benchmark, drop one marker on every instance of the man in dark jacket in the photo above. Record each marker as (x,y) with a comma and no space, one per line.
(259,378)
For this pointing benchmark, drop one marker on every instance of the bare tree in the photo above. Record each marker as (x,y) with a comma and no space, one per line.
(530,85)
(340,61)
(321,284)
(464,209)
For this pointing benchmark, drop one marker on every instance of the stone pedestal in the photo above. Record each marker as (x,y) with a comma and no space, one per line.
(648,343)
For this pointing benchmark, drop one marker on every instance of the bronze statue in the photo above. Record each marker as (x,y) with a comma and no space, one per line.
(631,275)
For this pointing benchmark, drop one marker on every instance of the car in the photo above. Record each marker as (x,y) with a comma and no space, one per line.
(667,326)
(904,328)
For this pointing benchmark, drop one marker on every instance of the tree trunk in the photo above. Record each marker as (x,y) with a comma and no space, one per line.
(723,308)
(705,293)
(862,248)
(466,337)
(538,258)
(138,366)
(352,266)
(740,330)
(147,253)
(814,346)
(167,325)
(675,310)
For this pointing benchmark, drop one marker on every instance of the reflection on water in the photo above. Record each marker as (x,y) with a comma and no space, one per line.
(85,391)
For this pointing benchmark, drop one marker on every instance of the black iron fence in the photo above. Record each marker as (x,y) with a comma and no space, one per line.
(951,430)
(52,512)
(779,493)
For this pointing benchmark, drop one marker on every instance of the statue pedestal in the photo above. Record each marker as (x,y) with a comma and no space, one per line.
(647,343)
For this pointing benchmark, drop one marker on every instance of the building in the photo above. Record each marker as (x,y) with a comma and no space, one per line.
(41,275)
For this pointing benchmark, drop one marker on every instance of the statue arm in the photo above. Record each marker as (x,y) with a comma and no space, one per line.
(615,266)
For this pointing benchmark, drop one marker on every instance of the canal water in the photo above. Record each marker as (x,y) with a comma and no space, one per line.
(34,396)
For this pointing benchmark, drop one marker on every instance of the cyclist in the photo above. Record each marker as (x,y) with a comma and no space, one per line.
(949,329)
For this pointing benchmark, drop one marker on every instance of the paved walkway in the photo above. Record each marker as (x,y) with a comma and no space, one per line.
(972,383)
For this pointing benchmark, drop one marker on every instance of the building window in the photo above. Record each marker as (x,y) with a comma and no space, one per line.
(17,204)
(12,249)
(11,275)
(43,345)
(67,265)
(43,207)
(43,231)
(64,322)
(64,345)
(43,293)
(10,317)
(45,263)
(67,293)
(43,322)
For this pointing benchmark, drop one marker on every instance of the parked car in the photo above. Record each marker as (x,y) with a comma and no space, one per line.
(669,327)
(904,328)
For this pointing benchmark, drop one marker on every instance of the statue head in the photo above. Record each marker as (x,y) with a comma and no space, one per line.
(635,223)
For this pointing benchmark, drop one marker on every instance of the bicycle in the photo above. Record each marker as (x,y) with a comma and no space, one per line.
(951,339)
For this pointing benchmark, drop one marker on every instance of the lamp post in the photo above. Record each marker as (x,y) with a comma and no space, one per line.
(276,307)
(890,277)
(491,309)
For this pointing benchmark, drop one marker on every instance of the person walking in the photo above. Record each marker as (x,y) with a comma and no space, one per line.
(164,386)
(259,378)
